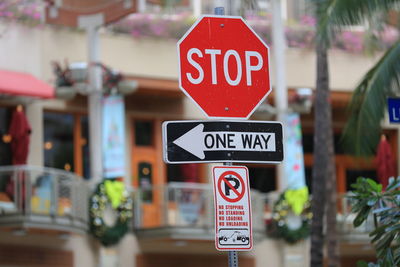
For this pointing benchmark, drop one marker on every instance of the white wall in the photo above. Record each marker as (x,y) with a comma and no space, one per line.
(20,49)
(32,50)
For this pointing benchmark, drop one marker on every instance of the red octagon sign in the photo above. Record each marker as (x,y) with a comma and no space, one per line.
(224,67)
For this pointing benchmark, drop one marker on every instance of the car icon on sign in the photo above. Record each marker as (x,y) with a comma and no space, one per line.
(243,238)
(235,237)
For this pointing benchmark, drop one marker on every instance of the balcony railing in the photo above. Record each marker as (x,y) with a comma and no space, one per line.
(45,198)
(345,220)
(187,210)
(42,198)
(184,210)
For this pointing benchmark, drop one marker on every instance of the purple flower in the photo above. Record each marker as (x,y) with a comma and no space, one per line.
(389,35)
(37,15)
(135,33)
(308,20)
(158,29)
(351,41)
(8,14)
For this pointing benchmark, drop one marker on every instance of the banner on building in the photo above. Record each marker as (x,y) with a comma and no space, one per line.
(294,160)
(113,135)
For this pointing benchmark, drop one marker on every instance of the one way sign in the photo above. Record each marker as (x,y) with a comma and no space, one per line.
(222,141)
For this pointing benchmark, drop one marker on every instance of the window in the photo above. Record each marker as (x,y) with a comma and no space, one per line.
(348,167)
(146,181)
(85,146)
(308,143)
(5,148)
(144,133)
(308,174)
(263,179)
(66,142)
(58,141)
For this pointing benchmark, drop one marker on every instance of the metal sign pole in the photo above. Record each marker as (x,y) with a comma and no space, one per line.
(233,259)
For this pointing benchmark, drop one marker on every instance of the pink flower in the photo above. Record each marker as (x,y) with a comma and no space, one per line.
(351,41)
(158,29)
(8,14)
(135,33)
(389,35)
(37,15)
(308,20)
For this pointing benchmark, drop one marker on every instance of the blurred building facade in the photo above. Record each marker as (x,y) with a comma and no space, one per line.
(161,232)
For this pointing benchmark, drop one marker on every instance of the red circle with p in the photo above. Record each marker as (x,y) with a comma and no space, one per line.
(226,188)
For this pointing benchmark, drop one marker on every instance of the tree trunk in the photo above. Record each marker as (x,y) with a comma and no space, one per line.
(330,175)
(324,179)
(321,160)
(331,234)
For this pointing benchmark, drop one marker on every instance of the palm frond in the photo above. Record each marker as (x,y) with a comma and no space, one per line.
(334,14)
(368,105)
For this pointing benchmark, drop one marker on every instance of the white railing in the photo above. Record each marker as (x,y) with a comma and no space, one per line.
(41,197)
(191,205)
(345,220)
(184,205)
(344,217)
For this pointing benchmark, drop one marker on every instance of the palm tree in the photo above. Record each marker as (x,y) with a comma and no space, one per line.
(367,107)
(366,111)
(324,179)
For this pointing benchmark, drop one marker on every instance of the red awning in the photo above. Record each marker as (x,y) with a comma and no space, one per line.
(23,84)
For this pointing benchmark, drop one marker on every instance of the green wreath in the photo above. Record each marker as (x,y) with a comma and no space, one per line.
(111,193)
(280,226)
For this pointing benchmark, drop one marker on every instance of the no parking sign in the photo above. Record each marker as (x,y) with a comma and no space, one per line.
(232,208)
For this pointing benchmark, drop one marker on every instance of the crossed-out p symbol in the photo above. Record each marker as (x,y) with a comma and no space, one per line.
(228,188)
(231,186)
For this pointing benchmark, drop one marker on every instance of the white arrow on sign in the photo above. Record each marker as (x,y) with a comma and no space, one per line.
(224,141)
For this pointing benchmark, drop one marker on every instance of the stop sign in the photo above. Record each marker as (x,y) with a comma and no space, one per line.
(224,67)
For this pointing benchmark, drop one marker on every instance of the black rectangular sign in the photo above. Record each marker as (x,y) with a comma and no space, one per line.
(222,141)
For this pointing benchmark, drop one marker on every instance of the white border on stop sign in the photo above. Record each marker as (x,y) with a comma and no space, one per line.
(179,65)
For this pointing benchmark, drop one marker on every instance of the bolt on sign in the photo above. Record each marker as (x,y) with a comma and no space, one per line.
(224,67)
(233,228)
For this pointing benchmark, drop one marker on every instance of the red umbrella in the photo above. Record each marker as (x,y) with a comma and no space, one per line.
(385,162)
(19,131)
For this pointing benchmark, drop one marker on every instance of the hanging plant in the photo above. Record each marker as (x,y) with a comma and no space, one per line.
(110,194)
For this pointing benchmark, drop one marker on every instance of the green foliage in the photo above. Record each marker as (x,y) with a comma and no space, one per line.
(368,104)
(369,198)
